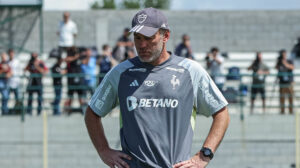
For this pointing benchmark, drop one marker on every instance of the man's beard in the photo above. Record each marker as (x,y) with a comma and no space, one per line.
(154,54)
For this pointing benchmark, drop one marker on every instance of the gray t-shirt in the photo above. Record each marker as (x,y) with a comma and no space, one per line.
(257,78)
(158,107)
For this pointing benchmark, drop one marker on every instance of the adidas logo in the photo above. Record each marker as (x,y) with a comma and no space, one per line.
(134,83)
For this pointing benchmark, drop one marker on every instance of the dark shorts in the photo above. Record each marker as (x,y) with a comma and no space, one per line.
(71,92)
(255,90)
(74,87)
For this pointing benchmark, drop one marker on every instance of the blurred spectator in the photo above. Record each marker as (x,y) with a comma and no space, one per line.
(184,48)
(75,78)
(57,73)
(215,65)
(296,49)
(67,31)
(14,81)
(124,44)
(285,74)
(106,61)
(130,54)
(5,72)
(37,68)
(88,68)
(260,70)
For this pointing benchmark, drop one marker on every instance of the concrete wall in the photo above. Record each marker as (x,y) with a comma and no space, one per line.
(243,31)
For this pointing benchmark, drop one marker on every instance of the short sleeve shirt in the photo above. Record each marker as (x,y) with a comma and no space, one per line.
(259,79)
(158,106)
(66,33)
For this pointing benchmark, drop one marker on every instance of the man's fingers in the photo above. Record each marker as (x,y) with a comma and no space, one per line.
(117,165)
(122,163)
(177,165)
(125,156)
(187,165)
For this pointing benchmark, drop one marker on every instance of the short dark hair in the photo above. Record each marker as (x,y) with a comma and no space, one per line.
(10,50)
(214,49)
(105,46)
(126,29)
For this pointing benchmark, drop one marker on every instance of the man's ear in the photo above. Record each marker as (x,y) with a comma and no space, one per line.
(166,36)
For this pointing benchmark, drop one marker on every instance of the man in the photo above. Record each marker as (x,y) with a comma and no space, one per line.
(260,70)
(184,48)
(74,79)
(5,75)
(285,69)
(37,69)
(14,81)
(159,94)
(105,61)
(124,45)
(88,68)
(67,31)
(215,64)
(57,73)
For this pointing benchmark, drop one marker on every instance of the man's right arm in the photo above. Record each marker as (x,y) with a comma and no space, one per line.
(96,132)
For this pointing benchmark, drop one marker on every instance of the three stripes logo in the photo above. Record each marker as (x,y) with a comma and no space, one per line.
(134,83)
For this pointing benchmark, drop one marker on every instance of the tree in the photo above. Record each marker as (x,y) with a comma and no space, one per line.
(131,4)
(107,4)
(160,4)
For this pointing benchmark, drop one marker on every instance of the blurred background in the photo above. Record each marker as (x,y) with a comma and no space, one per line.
(55,53)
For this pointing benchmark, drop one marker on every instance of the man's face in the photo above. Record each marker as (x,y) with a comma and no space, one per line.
(149,48)
(66,16)
(215,53)
(11,55)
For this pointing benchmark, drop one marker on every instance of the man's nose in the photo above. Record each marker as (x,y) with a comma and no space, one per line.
(143,44)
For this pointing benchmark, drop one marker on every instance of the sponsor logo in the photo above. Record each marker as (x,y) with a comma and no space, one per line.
(134,83)
(142,18)
(99,104)
(175,69)
(163,25)
(137,70)
(204,87)
(175,81)
(150,83)
(106,92)
(133,103)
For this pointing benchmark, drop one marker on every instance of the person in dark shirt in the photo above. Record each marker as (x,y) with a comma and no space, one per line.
(260,70)
(124,44)
(37,68)
(285,69)
(75,78)
(57,71)
(105,61)
(184,48)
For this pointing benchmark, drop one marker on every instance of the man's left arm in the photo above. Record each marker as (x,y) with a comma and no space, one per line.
(217,131)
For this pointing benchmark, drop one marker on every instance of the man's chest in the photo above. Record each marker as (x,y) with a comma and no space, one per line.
(163,88)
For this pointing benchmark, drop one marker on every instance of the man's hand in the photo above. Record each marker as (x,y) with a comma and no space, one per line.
(114,158)
(197,161)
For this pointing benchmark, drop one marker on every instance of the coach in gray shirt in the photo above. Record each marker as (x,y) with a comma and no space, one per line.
(159,95)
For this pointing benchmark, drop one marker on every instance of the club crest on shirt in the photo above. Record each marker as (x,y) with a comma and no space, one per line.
(175,81)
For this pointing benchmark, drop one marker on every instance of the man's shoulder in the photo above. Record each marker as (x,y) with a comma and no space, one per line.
(191,65)
(120,68)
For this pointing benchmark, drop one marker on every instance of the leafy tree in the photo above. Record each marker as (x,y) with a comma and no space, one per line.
(160,4)
(107,4)
(131,4)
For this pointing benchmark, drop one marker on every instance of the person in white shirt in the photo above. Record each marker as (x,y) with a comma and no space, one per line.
(216,68)
(67,32)
(14,81)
